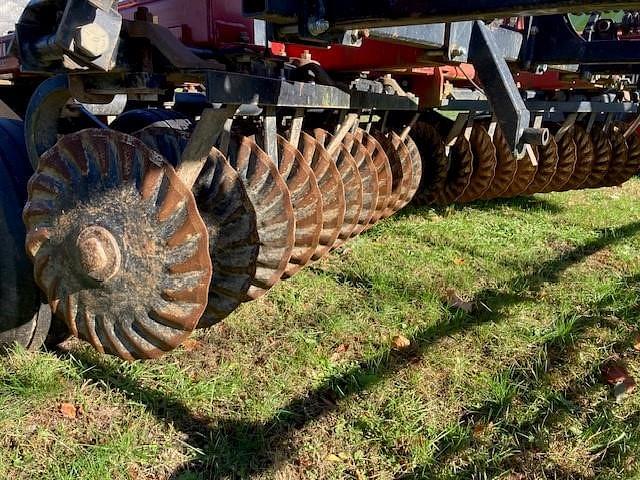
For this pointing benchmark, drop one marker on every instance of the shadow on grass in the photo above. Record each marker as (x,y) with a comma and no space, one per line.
(558,351)
(239,449)
(524,204)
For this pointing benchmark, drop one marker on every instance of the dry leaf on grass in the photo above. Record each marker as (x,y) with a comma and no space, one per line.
(192,345)
(459,261)
(340,350)
(401,342)
(68,410)
(455,301)
(615,373)
(636,343)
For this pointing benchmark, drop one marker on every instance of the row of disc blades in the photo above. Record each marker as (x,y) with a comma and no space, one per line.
(478,163)
(133,261)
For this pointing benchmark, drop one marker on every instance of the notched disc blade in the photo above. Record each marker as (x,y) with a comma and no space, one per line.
(331,188)
(619,158)
(416,163)
(485,162)
(584,158)
(567,158)
(352,182)
(231,222)
(460,171)
(369,176)
(271,201)
(307,205)
(118,244)
(435,163)
(602,158)
(547,164)
(525,169)
(383,172)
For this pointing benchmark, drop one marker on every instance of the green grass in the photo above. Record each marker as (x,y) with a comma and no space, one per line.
(306,383)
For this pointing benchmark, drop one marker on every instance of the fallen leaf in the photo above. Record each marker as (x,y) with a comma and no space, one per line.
(333,458)
(614,372)
(192,345)
(340,350)
(636,343)
(68,410)
(455,301)
(459,261)
(401,342)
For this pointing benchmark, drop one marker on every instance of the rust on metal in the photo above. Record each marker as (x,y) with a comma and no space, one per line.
(584,158)
(460,171)
(383,172)
(619,158)
(352,182)
(416,163)
(435,163)
(547,156)
(307,205)
(526,169)
(118,244)
(485,162)
(332,190)
(230,218)
(271,201)
(602,158)
(369,176)
(567,159)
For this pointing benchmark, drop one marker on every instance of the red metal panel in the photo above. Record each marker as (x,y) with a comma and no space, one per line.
(198,23)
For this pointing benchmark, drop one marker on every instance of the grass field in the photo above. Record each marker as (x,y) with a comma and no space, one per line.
(313,382)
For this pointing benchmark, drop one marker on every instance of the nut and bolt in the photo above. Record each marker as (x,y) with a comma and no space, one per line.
(91,40)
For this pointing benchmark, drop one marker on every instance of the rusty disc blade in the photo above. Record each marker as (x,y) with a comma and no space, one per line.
(633,165)
(399,174)
(332,190)
(485,162)
(307,205)
(627,155)
(525,169)
(352,182)
(271,201)
(602,158)
(506,170)
(409,180)
(567,158)
(369,175)
(547,164)
(460,171)
(416,164)
(118,244)
(383,172)
(435,163)
(230,218)
(619,158)
(584,158)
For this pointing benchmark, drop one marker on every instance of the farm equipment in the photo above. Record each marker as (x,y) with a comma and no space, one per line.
(177,160)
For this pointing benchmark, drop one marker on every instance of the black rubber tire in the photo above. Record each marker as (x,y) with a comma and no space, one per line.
(23,318)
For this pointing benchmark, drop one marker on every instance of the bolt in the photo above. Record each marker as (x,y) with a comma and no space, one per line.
(91,40)
(99,254)
(318,26)
(458,52)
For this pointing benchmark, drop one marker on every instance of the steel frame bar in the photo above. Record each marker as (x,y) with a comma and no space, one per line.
(365,13)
